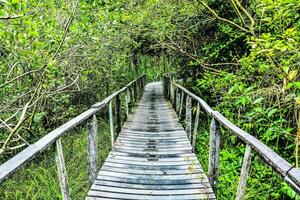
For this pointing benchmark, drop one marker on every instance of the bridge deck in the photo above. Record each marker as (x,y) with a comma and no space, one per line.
(152,158)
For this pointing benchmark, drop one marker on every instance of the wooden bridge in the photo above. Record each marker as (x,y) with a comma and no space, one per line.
(153,156)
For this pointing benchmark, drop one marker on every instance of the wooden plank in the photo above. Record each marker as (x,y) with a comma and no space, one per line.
(152,192)
(199,176)
(195,132)
(92,135)
(150,186)
(112,195)
(158,171)
(244,174)
(62,172)
(214,147)
(188,117)
(151,182)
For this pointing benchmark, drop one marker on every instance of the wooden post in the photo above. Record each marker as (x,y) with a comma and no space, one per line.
(127,101)
(62,172)
(92,139)
(195,132)
(134,93)
(172,94)
(174,97)
(188,117)
(181,105)
(111,124)
(214,147)
(177,101)
(118,114)
(244,173)
(131,97)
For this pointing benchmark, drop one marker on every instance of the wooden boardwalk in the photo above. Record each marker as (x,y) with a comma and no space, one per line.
(152,157)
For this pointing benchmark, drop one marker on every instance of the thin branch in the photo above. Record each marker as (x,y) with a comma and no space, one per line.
(238,12)
(18,77)
(221,18)
(10,17)
(252,23)
(15,129)
(11,69)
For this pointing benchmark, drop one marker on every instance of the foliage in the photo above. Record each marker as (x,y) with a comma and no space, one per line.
(59,57)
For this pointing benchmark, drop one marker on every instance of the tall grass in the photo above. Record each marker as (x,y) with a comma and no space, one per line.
(39,180)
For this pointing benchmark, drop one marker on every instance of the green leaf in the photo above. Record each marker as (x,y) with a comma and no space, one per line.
(272,112)
(297,84)
(259,100)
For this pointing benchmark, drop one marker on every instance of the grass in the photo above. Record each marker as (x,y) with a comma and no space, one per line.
(39,180)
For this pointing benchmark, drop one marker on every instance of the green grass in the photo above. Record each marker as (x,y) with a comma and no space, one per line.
(39,180)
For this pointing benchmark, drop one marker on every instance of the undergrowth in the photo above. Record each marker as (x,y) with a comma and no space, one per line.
(39,179)
(262,183)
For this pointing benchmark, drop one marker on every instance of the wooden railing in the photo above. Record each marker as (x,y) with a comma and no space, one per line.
(180,96)
(132,91)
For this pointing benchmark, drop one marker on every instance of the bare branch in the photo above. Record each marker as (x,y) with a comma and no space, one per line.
(10,17)
(221,18)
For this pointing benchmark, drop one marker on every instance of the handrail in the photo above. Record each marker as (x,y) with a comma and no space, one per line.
(133,90)
(290,174)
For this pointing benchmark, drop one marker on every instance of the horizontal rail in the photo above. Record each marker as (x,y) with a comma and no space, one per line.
(32,150)
(290,174)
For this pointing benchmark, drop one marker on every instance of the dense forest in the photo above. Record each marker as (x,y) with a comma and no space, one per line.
(57,58)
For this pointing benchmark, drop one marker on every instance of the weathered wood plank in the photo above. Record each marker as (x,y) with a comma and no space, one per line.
(112,195)
(62,172)
(92,135)
(244,174)
(214,147)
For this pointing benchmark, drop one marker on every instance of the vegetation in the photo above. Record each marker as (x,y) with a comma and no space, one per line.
(243,57)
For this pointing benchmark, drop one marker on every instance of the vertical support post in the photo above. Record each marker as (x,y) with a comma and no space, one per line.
(62,172)
(181,104)
(92,135)
(244,173)
(118,114)
(111,124)
(127,101)
(214,147)
(137,89)
(195,132)
(177,101)
(188,117)
(135,95)
(172,94)
(131,96)
(174,98)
